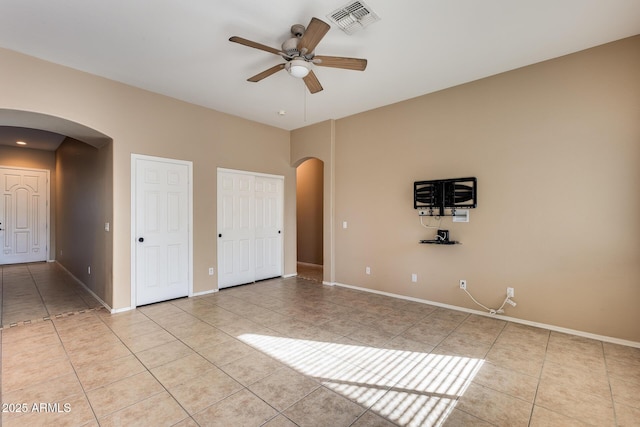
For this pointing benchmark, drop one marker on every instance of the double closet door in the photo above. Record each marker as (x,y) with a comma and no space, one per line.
(250,218)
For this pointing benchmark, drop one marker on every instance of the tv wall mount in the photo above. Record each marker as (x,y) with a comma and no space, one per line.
(442,197)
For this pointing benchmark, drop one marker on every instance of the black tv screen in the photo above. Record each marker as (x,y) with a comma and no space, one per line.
(441,194)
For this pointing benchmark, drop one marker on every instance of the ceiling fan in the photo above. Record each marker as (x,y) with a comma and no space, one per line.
(298,52)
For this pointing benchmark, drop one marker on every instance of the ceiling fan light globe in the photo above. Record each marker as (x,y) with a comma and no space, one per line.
(298,68)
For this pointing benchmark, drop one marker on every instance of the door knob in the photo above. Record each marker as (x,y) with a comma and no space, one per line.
(141,239)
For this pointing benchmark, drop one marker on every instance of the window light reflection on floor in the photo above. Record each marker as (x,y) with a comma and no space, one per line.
(407,387)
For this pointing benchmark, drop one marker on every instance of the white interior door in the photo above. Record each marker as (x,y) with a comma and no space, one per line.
(162,222)
(235,229)
(249,227)
(268,251)
(24,215)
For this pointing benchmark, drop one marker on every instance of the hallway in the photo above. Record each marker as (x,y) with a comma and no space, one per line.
(37,291)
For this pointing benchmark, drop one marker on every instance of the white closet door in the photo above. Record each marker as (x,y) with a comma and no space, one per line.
(236,234)
(249,227)
(268,202)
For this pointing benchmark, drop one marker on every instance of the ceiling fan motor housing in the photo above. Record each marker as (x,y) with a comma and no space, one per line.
(290,47)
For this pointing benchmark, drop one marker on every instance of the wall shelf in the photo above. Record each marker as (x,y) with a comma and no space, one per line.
(440,242)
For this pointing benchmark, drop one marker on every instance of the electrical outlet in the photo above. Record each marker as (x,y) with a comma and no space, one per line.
(463,284)
(210,271)
(367,270)
(414,277)
(510,292)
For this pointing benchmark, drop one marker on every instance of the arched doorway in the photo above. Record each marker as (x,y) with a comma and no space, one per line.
(80,166)
(309,216)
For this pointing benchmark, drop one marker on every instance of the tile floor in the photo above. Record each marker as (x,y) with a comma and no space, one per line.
(35,291)
(290,352)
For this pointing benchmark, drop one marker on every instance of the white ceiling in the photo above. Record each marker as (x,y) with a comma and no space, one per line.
(180,48)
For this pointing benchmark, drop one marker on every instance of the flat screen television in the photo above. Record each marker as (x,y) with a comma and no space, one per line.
(440,194)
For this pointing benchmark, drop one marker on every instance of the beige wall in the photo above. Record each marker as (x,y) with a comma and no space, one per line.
(84,207)
(556,150)
(36,159)
(145,123)
(309,196)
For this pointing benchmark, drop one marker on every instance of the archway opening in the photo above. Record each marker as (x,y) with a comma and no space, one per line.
(79,161)
(309,217)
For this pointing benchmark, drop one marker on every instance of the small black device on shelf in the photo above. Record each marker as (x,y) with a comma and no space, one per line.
(441,194)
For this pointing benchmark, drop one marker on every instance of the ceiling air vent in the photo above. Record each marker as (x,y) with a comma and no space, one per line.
(353,17)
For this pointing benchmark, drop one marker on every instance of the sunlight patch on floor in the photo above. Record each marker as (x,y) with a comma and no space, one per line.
(409,388)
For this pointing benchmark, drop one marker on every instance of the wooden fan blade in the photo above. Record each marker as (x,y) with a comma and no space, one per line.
(315,31)
(254,45)
(266,73)
(341,62)
(312,82)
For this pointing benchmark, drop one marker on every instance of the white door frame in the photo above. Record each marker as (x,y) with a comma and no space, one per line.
(266,175)
(132,237)
(48,207)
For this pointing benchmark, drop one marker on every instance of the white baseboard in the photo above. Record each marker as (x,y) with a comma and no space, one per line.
(198,294)
(286,276)
(81,283)
(554,328)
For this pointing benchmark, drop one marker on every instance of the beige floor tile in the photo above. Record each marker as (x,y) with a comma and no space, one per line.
(252,368)
(126,330)
(158,410)
(571,402)
(101,374)
(212,337)
(507,381)
(457,418)
(625,392)
(515,359)
(586,380)
(543,417)
(206,389)
(371,419)
(164,353)
(623,369)
(372,336)
(627,416)
(187,422)
(460,345)
(280,421)
(324,408)
(226,352)
(181,370)
(123,393)
(145,342)
(283,388)
(427,333)
(29,374)
(240,409)
(100,352)
(408,408)
(495,407)
(31,354)
(29,333)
